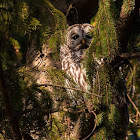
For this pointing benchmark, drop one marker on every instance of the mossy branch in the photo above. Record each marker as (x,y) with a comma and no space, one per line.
(125,22)
(64,87)
(52,110)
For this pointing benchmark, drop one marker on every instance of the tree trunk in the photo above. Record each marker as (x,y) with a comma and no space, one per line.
(125,24)
(13,121)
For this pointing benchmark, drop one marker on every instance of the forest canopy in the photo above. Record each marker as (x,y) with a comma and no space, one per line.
(35,102)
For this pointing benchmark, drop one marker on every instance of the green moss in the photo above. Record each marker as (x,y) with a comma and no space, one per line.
(100,118)
(56,76)
(100,135)
(128,6)
(58,127)
(105,42)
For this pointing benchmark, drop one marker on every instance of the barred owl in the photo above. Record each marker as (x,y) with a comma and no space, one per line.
(77,40)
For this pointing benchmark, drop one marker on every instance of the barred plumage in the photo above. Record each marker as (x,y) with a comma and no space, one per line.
(77,40)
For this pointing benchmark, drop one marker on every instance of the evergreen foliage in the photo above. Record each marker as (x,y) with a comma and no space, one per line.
(21,23)
(109,83)
(105,42)
(45,112)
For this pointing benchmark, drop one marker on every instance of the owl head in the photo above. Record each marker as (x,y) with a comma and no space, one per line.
(77,39)
(79,36)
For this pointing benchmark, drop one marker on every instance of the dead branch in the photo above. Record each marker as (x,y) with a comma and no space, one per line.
(68,10)
(133,104)
(93,127)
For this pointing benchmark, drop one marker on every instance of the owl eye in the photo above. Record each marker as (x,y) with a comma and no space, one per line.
(75,37)
(89,36)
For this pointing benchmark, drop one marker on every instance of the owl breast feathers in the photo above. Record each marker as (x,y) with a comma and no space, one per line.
(77,40)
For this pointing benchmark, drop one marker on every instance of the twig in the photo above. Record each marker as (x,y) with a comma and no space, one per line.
(64,87)
(36,110)
(122,62)
(133,104)
(52,15)
(130,55)
(93,127)
(69,9)
(46,111)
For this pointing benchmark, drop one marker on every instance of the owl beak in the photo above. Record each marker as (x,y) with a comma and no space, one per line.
(83,42)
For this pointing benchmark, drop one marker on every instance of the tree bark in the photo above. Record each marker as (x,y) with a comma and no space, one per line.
(125,25)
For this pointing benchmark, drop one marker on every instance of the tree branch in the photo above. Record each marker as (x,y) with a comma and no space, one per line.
(133,104)
(46,111)
(130,55)
(37,110)
(125,24)
(68,10)
(93,127)
(64,87)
